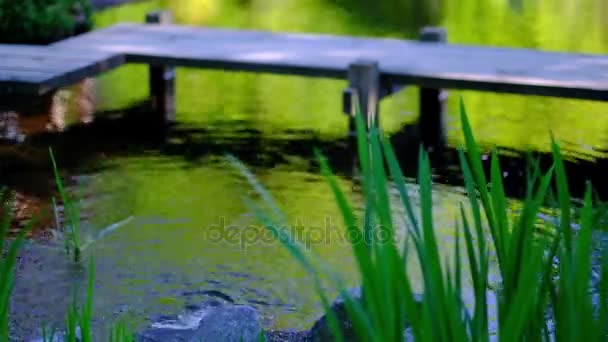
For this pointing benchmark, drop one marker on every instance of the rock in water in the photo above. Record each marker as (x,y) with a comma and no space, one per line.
(321,332)
(213,321)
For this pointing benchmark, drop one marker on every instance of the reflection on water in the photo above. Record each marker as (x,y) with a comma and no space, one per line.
(518,122)
(52,112)
(190,232)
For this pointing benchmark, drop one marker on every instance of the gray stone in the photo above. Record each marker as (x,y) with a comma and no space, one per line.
(210,322)
(321,332)
(230,323)
(408,336)
(287,336)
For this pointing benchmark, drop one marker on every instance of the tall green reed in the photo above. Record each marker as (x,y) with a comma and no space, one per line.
(120,332)
(530,294)
(78,320)
(73,240)
(9,253)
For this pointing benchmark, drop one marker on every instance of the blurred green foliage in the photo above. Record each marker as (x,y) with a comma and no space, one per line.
(42,21)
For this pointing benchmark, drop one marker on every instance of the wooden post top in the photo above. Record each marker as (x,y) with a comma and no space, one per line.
(159,17)
(433,34)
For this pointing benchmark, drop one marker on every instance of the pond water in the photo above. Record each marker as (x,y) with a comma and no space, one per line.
(181,225)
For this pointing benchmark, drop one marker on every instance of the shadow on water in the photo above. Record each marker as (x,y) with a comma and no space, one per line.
(133,135)
(128,132)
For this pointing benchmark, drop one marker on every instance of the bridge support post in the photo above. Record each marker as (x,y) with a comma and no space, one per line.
(362,94)
(433,102)
(162,79)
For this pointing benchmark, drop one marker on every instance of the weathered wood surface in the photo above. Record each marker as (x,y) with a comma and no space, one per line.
(35,70)
(431,65)
(427,65)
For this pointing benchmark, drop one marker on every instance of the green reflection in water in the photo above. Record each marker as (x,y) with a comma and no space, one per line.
(219,245)
(191,231)
(269,103)
(523,122)
(277,103)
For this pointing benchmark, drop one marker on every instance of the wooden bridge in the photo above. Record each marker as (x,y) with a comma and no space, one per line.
(374,68)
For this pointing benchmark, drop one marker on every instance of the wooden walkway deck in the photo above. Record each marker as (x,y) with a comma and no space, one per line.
(517,71)
(373,67)
(33,69)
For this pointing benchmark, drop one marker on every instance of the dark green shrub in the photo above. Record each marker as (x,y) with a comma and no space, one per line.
(42,21)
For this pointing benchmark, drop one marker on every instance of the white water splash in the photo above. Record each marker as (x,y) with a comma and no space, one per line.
(188,321)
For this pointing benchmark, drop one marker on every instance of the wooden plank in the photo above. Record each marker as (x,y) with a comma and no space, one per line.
(26,69)
(46,62)
(50,51)
(79,73)
(26,77)
(520,71)
(48,65)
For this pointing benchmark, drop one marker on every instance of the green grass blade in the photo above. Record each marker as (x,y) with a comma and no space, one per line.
(384,248)
(475,164)
(87,311)
(400,183)
(479,278)
(499,202)
(7,265)
(71,212)
(563,193)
